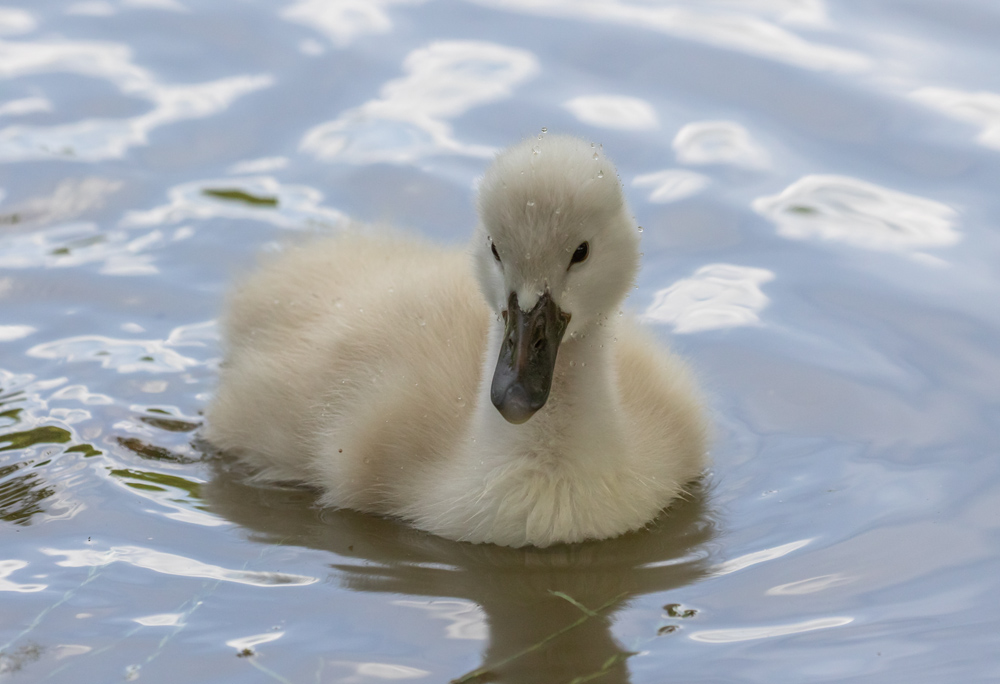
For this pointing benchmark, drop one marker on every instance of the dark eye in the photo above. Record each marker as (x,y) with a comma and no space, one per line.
(581,253)
(494,248)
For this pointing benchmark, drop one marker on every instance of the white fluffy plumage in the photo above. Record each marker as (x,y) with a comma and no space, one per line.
(361,364)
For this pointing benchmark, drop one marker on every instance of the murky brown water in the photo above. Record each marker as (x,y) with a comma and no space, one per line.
(817,185)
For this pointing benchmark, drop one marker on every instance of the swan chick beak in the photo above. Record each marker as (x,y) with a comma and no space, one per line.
(523,375)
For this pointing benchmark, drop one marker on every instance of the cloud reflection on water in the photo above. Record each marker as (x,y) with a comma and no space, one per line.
(172,564)
(93,140)
(859,214)
(15,21)
(613,111)
(716,296)
(718,142)
(671,185)
(9,567)
(257,198)
(733,30)
(344,20)
(76,244)
(71,198)
(123,356)
(25,105)
(981,108)
(723,636)
(409,119)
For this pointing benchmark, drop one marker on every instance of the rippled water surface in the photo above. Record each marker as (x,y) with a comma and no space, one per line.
(818,186)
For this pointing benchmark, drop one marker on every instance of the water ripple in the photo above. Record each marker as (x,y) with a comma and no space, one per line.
(671,185)
(809,586)
(409,120)
(9,567)
(859,214)
(718,142)
(9,333)
(762,556)
(981,108)
(124,356)
(467,619)
(15,21)
(172,564)
(71,198)
(75,244)
(723,636)
(161,620)
(614,111)
(258,198)
(345,20)
(99,139)
(25,105)
(716,296)
(728,30)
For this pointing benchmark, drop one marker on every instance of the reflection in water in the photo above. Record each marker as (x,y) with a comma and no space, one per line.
(716,296)
(75,244)
(15,21)
(29,443)
(613,111)
(730,30)
(104,8)
(718,142)
(860,214)
(72,197)
(172,564)
(22,493)
(762,556)
(124,356)
(809,586)
(255,166)
(8,568)
(160,620)
(180,496)
(535,603)
(257,198)
(21,496)
(671,185)
(98,139)
(721,636)
(26,105)
(409,120)
(248,642)
(9,333)
(344,20)
(981,108)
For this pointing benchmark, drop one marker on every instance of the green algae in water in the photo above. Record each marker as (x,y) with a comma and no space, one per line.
(86,449)
(151,451)
(802,210)
(21,496)
(46,434)
(169,424)
(236,195)
(157,481)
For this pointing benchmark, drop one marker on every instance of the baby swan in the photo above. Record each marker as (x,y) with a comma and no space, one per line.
(373,369)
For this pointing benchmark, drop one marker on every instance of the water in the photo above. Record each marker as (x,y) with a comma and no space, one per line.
(817,183)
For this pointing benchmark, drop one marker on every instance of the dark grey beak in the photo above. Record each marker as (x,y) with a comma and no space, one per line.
(523,377)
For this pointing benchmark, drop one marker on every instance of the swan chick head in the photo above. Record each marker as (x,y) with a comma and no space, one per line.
(556,251)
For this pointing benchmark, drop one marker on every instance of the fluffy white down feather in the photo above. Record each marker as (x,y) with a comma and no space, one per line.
(361,364)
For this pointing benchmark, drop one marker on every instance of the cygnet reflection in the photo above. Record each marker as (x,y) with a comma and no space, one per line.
(513,587)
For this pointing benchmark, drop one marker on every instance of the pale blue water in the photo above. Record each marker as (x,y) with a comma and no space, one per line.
(818,186)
